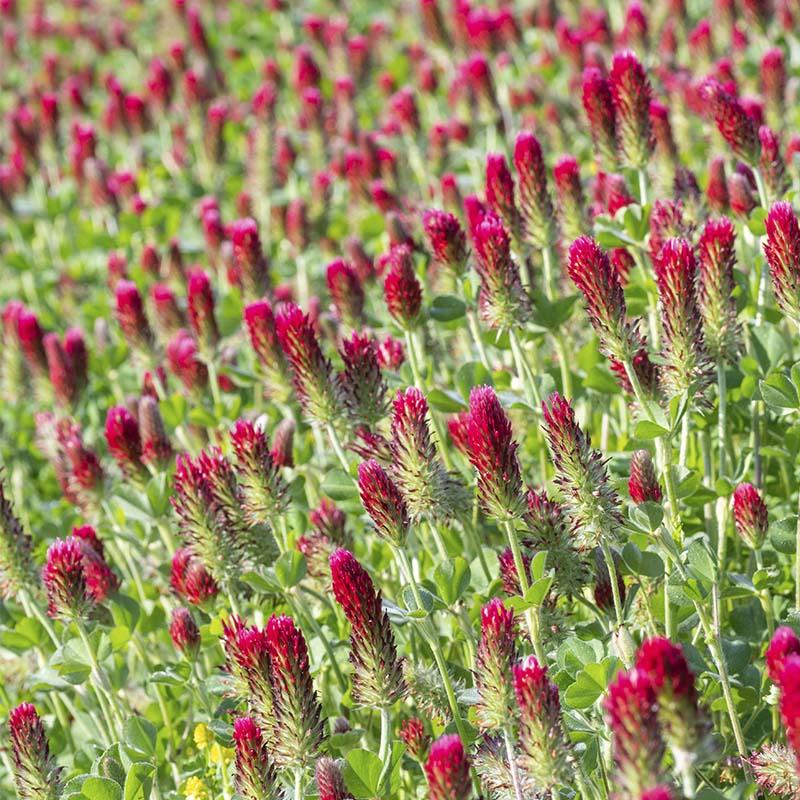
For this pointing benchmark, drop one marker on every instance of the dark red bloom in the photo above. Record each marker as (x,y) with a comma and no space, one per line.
(190,579)
(535,203)
(184,632)
(347,292)
(570,197)
(784,643)
(782,249)
(631,92)
(200,298)
(383,502)
(500,193)
(789,702)
(254,776)
(494,657)
(598,103)
(156,446)
(64,578)
(446,239)
(131,316)
(733,122)
(330,783)
(416,740)
(185,362)
(35,772)
(123,439)
(750,515)
(260,323)
(643,485)
(447,770)
(401,289)
(248,256)
(62,377)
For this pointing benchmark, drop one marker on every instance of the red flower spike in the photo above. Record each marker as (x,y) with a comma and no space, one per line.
(741,195)
(784,643)
(313,379)
(260,324)
(631,92)
(401,288)
(591,271)
(750,515)
(248,256)
(502,301)
(535,203)
(184,632)
(383,502)
(184,361)
(156,446)
(346,292)
(643,485)
(632,714)
(416,740)
(500,193)
(190,579)
(570,197)
(544,748)
(254,775)
(773,81)
(771,164)
(36,775)
(782,250)
(446,240)
(282,443)
(716,257)
(736,127)
(494,657)
(64,579)
(123,440)
(687,365)
(493,455)
(362,382)
(131,317)
(717,189)
(598,103)
(447,770)
(377,678)
(200,300)
(789,703)
(77,357)
(62,377)
(299,730)
(330,782)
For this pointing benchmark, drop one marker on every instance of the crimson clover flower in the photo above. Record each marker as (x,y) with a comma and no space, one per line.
(782,250)
(733,122)
(36,775)
(789,703)
(377,678)
(494,657)
(493,455)
(446,240)
(156,446)
(383,501)
(330,782)
(631,93)
(17,569)
(124,440)
(132,318)
(346,291)
(184,632)
(750,515)
(363,385)
(254,774)
(447,770)
(570,198)
(598,104)
(416,740)
(313,378)
(716,258)
(592,272)
(190,579)
(783,644)
(248,256)
(327,532)
(500,194)
(535,203)
(200,300)
(402,291)
(643,485)
(298,731)
(581,474)
(264,491)
(632,715)
(259,321)
(64,578)
(544,748)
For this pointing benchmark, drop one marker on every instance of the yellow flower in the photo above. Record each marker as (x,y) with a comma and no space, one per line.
(202,736)
(195,789)
(219,754)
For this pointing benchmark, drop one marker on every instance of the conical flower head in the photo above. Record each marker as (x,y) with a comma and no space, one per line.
(500,193)
(254,775)
(570,198)
(631,92)
(632,715)
(200,301)
(36,775)
(771,163)
(63,378)
(190,579)
(247,660)
(447,770)
(502,301)
(17,569)
(446,240)
(493,454)
(687,365)
(298,715)
(64,578)
(598,103)
(643,485)
(264,491)
(383,502)
(313,377)
(426,485)
(782,249)
(508,571)
(716,256)
(131,317)
(101,580)
(683,723)
(581,474)
(783,644)
(123,440)
(330,782)
(750,515)
(401,288)
(416,740)
(184,361)
(156,446)
(31,340)
(260,323)
(773,81)
(775,770)
(535,203)
(544,748)
(184,632)
(362,381)
(494,657)
(592,272)
(733,122)
(377,678)
(346,291)
(248,256)
(667,221)
(328,531)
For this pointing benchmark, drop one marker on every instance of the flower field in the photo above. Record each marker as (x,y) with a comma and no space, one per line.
(400,400)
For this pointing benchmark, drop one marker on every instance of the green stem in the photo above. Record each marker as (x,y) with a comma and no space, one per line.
(213,383)
(532,396)
(766,599)
(298,783)
(612,575)
(105,698)
(472,535)
(385,748)
(642,186)
(336,444)
(563,362)
(531,614)
(512,762)
(317,628)
(476,337)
